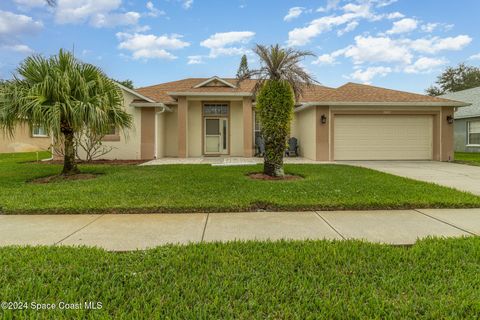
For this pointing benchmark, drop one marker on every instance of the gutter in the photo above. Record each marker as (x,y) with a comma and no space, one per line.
(211,94)
(150,105)
(306,105)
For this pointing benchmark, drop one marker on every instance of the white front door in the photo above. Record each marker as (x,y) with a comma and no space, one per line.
(216,135)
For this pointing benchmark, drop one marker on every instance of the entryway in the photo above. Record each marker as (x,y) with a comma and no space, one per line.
(216,140)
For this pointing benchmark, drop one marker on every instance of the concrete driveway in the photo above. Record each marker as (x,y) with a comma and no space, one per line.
(141,231)
(459,176)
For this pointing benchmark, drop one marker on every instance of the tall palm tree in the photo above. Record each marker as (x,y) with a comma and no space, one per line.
(64,96)
(280,80)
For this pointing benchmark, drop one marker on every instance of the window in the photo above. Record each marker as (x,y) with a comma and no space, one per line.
(215,109)
(112,130)
(258,127)
(473,133)
(39,132)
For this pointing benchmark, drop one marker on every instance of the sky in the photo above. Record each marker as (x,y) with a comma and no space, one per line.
(399,44)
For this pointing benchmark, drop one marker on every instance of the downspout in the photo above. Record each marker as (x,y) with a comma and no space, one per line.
(155,155)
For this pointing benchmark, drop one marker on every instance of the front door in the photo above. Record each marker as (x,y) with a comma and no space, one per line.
(216,136)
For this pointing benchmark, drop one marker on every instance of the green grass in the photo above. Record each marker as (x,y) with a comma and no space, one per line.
(468,158)
(434,279)
(192,188)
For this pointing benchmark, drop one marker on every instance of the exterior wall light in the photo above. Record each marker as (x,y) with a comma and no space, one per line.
(323,119)
(450,119)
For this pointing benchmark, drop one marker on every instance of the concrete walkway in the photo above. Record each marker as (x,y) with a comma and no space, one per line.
(459,176)
(226,161)
(130,232)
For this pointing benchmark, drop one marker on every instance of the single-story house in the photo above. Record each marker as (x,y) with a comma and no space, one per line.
(200,117)
(25,139)
(467,120)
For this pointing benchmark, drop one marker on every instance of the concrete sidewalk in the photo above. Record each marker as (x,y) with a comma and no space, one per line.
(141,231)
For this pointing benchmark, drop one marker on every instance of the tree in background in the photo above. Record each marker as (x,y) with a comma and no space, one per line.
(456,79)
(280,80)
(243,71)
(64,96)
(126,83)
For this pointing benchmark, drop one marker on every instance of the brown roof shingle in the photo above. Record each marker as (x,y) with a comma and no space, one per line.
(350,92)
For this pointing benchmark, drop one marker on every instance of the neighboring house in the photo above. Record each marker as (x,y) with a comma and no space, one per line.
(199,117)
(467,120)
(25,139)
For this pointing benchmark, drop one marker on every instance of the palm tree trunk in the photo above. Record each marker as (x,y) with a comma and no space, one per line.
(273,160)
(69,165)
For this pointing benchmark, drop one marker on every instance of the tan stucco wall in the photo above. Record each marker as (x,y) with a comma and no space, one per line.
(447,149)
(171,133)
(195,129)
(236,129)
(147,133)
(160,135)
(128,145)
(304,129)
(22,141)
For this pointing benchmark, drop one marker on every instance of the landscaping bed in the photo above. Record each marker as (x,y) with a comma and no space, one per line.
(434,279)
(203,188)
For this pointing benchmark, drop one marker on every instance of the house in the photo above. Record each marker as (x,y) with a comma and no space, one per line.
(467,120)
(202,117)
(25,139)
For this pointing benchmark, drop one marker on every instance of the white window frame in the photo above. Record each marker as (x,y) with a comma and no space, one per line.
(39,135)
(468,134)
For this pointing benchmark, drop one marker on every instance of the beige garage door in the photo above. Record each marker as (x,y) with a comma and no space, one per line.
(383,137)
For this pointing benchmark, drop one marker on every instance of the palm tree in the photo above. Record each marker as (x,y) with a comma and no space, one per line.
(64,96)
(280,80)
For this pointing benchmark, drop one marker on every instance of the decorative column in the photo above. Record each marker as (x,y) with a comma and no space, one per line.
(247,127)
(182,110)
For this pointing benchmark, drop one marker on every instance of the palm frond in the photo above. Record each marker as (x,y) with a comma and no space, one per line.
(277,63)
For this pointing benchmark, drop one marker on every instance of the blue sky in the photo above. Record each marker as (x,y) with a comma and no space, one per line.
(402,44)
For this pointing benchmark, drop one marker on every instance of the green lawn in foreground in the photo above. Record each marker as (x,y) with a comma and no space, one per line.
(190,188)
(468,158)
(434,279)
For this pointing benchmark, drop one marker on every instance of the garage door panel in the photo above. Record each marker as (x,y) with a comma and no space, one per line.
(383,137)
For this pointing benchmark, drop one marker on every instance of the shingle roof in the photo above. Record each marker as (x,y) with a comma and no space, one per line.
(471,96)
(350,92)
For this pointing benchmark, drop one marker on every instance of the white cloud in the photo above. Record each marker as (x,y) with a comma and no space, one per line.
(331,4)
(403,26)
(378,49)
(146,46)
(19,48)
(368,74)
(153,11)
(429,27)
(384,3)
(293,13)
(395,15)
(99,13)
(187,4)
(351,12)
(324,59)
(475,57)
(195,59)
(436,44)
(349,28)
(425,64)
(227,43)
(13,25)
(27,4)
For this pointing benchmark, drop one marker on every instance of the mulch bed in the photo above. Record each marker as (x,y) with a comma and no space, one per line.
(261,176)
(59,178)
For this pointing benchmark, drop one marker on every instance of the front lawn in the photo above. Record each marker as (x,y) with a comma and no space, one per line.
(434,279)
(193,188)
(468,158)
